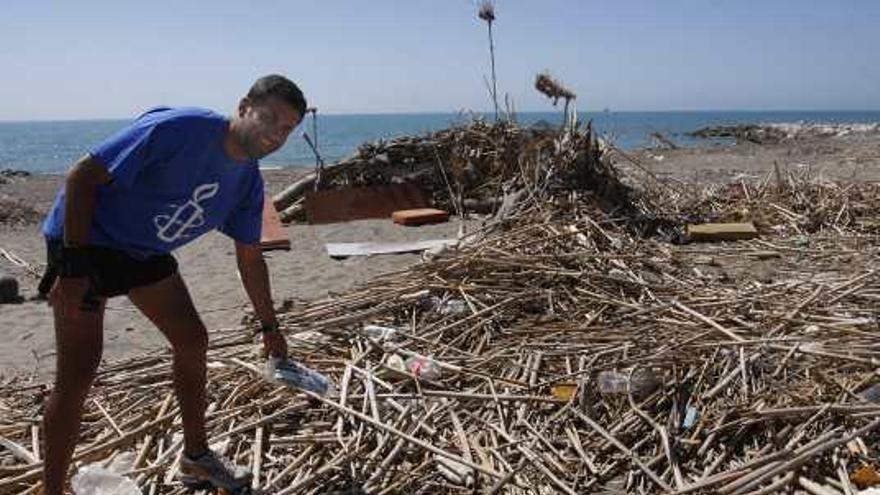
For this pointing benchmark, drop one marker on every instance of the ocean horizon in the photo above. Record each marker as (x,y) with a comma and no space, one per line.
(52,146)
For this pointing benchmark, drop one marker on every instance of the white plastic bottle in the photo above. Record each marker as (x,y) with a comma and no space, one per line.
(642,382)
(423,367)
(612,382)
(290,373)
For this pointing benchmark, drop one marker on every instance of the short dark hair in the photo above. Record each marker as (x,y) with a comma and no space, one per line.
(281,87)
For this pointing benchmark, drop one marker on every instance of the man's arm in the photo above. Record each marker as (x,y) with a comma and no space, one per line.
(80,198)
(79,211)
(255,278)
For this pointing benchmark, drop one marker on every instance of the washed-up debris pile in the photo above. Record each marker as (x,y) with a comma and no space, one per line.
(8,175)
(471,168)
(14,211)
(557,351)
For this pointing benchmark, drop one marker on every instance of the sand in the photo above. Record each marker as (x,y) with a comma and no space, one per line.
(208,267)
(307,273)
(851,158)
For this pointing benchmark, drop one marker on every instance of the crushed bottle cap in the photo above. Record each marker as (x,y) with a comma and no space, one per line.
(564,390)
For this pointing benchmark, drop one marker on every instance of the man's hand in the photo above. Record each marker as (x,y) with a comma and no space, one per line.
(274,343)
(255,277)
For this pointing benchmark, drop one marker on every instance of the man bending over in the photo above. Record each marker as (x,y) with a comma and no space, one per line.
(161,182)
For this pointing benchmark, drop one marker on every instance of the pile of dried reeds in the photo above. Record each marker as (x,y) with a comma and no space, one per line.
(469,167)
(789,202)
(753,364)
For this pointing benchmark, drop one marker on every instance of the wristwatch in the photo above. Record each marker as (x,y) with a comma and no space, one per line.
(268,328)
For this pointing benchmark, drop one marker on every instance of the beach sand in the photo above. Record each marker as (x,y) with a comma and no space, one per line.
(851,158)
(307,273)
(208,267)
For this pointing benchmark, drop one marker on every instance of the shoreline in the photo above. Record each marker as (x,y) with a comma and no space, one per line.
(519,112)
(726,137)
(22,145)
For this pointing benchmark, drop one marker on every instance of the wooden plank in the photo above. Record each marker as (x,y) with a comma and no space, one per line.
(419,216)
(342,205)
(273,235)
(345,249)
(722,231)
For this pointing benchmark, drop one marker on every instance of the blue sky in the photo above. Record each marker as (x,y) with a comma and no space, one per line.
(97,59)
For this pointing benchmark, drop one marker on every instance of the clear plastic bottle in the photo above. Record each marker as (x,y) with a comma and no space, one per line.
(454,307)
(290,373)
(640,383)
(380,333)
(446,307)
(423,367)
(612,382)
(871,394)
(395,362)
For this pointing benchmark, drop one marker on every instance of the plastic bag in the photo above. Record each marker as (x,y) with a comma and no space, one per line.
(94,479)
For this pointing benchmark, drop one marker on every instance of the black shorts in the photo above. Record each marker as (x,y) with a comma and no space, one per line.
(114,272)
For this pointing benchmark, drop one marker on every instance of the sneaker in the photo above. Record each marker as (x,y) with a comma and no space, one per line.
(210,468)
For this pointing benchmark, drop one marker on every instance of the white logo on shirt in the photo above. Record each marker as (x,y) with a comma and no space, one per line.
(187,216)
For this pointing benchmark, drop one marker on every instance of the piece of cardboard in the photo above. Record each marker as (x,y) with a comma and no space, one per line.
(273,235)
(722,231)
(342,205)
(419,216)
(345,249)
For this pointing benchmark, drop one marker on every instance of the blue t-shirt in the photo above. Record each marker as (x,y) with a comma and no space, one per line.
(172,182)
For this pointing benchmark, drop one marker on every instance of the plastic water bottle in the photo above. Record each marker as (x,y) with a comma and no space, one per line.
(871,394)
(447,307)
(395,362)
(382,334)
(454,307)
(94,479)
(640,383)
(612,382)
(423,367)
(287,372)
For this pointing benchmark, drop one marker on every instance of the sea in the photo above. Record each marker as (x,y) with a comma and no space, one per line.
(53,146)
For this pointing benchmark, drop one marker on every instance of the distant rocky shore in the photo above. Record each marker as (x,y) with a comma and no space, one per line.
(777,133)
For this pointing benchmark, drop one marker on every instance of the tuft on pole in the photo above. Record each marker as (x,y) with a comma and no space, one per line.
(554,90)
(487,13)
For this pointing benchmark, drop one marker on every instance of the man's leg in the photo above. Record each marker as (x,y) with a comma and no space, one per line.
(78,342)
(168,305)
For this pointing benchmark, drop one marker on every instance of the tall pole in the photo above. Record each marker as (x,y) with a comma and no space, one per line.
(315,131)
(487,13)
(565,114)
(494,84)
(313,144)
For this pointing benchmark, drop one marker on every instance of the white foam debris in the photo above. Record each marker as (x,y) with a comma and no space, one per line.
(802,129)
